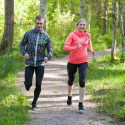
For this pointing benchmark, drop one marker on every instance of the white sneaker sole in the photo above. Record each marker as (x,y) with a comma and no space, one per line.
(81,111)
(69,105)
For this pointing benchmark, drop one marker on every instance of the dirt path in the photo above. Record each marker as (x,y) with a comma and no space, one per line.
(52,108)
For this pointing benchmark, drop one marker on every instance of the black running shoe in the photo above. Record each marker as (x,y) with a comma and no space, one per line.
(69,101)
(34,107)
(27,87)
(81,108)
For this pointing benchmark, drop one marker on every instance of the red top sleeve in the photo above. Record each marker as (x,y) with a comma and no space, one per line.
(67,45)
(90,44)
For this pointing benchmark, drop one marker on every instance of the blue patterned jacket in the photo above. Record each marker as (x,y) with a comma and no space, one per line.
(35,43)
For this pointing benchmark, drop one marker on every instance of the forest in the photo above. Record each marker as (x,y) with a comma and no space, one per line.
(105,23)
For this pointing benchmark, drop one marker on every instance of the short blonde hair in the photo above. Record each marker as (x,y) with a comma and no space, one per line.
(80,20)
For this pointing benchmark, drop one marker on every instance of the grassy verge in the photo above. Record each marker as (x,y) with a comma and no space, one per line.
(105,83)
(13,105)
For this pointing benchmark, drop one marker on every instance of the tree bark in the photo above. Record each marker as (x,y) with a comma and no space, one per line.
(43,11)
(70,6)
(82,8)
(105,13)
(123,13)
(114,30)
(62,9)
(122,30)
(7,40)
(98,12)
(89,14)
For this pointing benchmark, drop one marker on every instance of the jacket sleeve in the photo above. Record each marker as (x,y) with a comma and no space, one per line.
(90,44)
(67,45)
(49,49)
(23,44)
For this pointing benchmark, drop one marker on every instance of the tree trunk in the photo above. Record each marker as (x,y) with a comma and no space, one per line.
(122,30)
(99,8)
(62,9)
(58,4)
(70,6)
(108,21)
(114,30)
(117,17)
(105,13)
(43,11)
(89,14)
(82,8)
(124,17)
(7,40)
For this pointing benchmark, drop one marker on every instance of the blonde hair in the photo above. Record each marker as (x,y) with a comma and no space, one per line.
(80,20)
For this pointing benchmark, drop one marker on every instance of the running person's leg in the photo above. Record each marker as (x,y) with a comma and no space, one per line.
(82,75)
(72,69)
(39,76)
(29,70)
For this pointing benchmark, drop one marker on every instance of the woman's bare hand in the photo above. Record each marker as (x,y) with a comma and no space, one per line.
(79,45)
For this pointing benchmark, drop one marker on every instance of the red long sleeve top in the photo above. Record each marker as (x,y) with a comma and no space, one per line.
(78,55)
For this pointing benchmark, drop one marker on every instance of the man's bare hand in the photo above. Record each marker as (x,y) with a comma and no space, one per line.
(26,57)
(45,59)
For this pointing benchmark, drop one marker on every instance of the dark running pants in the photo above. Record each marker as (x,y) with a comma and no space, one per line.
(39,72)
(72,69)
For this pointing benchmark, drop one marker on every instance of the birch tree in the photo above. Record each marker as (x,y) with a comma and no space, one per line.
(89,14)
(43,11)
(7,40)
(82,8)
(114,30)
(121,29)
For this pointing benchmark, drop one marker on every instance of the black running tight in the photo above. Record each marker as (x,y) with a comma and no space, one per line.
(29,71)
(72,69)
(36,93)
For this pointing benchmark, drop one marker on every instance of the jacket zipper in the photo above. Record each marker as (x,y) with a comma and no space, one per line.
(36,50)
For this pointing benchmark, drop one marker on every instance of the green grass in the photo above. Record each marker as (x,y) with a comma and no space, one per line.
(13,105)
(105,83)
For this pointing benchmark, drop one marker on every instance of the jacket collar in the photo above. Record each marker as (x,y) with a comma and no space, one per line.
(79,33)
(42,31)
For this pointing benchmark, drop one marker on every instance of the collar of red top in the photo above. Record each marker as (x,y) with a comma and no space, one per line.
(79,33)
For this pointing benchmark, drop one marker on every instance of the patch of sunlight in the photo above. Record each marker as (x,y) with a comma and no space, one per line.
(8,100)
(49,75)
(58,63)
